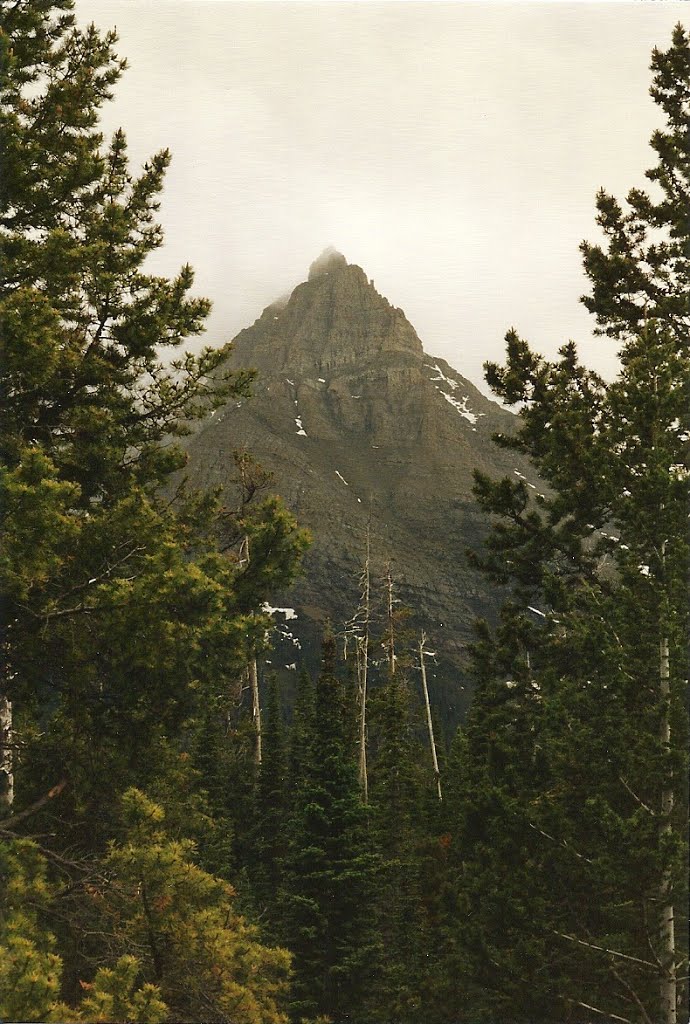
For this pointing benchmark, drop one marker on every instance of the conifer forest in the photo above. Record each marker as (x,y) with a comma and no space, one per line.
(182,837)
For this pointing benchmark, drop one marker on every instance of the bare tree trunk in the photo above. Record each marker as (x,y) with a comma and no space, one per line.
(252,672)
(391,626)
(362,659)
(256,706)
(669,980)
(429,720)
(6,755)
(363,667)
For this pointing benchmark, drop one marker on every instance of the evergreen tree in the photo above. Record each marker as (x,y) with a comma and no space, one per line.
(94,558)
(126,606)
(572,821)
(204,957)
(399,823)
(301,734)
(643,269)
(328,914)
(271,813)
(31,970)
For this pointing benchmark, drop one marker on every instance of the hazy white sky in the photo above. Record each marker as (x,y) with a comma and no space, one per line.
(453,150)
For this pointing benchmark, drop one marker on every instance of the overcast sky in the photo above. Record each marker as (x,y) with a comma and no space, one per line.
(452,150)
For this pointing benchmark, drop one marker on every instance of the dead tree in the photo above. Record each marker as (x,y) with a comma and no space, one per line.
(358,628)
(429,720)
(390,637)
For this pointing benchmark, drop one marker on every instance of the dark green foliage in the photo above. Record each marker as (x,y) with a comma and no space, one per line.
(301,733)
(272,801)
(401,781)
(329,869)
(128,613)
(133,603)
(642,272)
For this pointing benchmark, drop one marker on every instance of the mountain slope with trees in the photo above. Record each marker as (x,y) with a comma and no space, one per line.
(365,436)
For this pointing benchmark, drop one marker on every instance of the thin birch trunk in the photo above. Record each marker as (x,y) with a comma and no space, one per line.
(6,755)
(429,720)
(669,981)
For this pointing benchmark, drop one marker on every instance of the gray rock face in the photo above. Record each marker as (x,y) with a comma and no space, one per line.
(336,319)
(358,424)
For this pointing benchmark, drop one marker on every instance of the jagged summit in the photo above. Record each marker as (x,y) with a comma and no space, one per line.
(358,425)
(335,319)
(329,261)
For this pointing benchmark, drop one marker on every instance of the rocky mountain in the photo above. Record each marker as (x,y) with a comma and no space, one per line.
(358,426)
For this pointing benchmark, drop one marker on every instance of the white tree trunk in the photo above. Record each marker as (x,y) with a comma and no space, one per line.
(669,980)
(6,755)
(429,720)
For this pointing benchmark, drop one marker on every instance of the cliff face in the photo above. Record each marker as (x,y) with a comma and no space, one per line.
(358,424)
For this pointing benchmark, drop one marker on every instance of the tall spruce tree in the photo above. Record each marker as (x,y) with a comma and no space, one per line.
(572,823)
(94,558)
(271,814)
(329,872)
(399,821)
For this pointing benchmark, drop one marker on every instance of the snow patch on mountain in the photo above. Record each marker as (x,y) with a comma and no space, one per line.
(461,403)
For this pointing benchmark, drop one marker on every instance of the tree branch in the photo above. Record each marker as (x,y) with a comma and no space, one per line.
(632,993)
(7,823)
(603,949)
(560,842)
(636,797)
(604,1013)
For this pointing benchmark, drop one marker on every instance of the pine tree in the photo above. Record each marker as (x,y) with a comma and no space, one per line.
(127,609)
(205,958)
(642,272)
(399,785)
(31,970)
(572,822)
(328,912)
(94,558)
(301,734)
(271,814)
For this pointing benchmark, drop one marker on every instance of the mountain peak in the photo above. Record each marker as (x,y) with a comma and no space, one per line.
(334,321)
(329,260)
